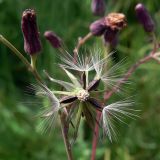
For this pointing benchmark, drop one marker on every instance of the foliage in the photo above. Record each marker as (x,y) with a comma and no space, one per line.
(19,138)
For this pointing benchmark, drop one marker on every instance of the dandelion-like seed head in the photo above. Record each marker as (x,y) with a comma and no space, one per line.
(81,95)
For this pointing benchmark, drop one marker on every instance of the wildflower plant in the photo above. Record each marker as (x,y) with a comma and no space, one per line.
(91,81)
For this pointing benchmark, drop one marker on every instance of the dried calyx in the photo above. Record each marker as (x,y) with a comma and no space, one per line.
(113,21)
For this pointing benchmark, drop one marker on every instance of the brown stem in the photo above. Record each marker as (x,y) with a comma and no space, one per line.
(95,136)
(65,128)
(64,124)
(107,95)
(81,41)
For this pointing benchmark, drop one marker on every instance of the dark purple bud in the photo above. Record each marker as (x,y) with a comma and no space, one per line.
(68,99)
(95,103)
(111,36)
(98,7)
(98,27)
(93,85)
(144,17)
(32,43)
(54,40)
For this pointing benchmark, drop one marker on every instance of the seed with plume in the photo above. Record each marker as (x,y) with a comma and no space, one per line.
(98,7)
(32,43)
(144,17)
(98,27)
(54,40)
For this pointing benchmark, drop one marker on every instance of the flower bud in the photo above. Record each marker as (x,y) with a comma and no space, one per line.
(110,36)
(54,40)
(97,28)
(116,21)
(144,17)
(32,43)
(98,7)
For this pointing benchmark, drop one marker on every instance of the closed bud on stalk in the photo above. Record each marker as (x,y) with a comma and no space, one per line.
(116,21)
(98,7)
(144,17)
(111,36)
(54,40)
(98,27)
(32,43)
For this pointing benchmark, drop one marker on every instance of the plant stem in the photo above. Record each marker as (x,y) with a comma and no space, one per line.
(15,51)
(65,128)
(153,55)
(95,136)
(107,95)
(22,58)
(81,41)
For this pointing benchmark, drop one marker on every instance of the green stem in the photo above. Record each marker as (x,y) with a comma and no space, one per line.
(33,70)
(65,128)
(15,51)
(87,83)
(22,58)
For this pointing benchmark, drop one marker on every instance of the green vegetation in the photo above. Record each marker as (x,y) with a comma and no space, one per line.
(19,138)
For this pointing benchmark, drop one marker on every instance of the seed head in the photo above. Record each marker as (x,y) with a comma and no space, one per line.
(54,40)
(144,17)
(32,44)
(98,7)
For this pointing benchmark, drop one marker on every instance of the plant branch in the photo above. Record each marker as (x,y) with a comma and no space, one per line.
(22,58)
(64,125)
(95,136)
(107,95)
(65,128)
(147,58)
(81,41)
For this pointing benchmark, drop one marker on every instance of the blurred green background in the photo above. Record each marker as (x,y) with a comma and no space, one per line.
(19,139)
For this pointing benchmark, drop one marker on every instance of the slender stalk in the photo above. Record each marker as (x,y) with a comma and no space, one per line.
(95,136)
(33,70)
(81,41)
(147,58)
(153,55)
(22,58)
(15,51)
(65,128)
